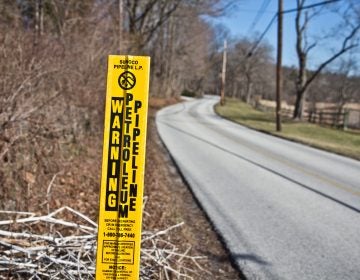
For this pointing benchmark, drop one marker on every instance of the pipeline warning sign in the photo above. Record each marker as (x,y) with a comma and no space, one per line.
(122,179)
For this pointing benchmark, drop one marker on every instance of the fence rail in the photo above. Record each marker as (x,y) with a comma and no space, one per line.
(331,116)
(337,119)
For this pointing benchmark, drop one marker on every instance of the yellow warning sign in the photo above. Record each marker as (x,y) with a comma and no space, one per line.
(122,179)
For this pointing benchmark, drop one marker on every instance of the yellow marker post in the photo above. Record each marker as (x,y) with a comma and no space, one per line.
(122,179)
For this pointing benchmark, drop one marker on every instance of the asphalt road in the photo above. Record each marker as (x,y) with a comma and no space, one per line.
(284,210)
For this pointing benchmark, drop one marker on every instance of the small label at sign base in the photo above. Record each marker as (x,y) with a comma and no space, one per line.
(121,252)
(122,178)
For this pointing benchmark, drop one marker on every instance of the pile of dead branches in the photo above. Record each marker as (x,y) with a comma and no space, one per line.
(62,245)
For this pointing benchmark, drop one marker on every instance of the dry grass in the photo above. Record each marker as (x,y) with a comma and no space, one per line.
(334,140)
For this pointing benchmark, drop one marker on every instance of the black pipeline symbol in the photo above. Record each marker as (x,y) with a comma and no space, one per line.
(127,80)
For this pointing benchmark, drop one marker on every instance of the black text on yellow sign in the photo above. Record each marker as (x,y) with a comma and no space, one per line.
(122,179)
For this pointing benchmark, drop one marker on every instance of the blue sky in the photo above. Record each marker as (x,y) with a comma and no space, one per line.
(240,19)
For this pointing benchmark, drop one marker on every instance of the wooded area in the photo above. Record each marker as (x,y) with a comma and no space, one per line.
(53,69)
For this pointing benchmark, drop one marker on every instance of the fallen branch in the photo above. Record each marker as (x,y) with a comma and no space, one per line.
(69,250)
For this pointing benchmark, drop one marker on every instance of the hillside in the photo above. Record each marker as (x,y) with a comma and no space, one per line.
(168,203)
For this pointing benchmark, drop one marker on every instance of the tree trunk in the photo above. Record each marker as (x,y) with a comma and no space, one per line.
(303,48)
(300,86)
(249,92)
(235,89)
(38,21)
(299,105)
(121,34)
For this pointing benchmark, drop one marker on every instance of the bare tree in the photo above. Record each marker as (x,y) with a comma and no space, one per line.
(179,46)
(180,51)
(145,18)
(346,86)
(247,74)
(349,40)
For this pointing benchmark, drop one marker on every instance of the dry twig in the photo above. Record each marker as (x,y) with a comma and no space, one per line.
(69,250)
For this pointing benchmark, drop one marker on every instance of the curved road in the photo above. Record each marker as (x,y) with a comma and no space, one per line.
(284,210)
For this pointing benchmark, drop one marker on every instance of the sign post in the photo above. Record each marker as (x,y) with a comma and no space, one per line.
(122,178)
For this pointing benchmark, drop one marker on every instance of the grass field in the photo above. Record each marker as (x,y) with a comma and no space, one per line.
(341,142)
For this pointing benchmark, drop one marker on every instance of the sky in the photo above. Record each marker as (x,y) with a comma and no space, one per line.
(243,20)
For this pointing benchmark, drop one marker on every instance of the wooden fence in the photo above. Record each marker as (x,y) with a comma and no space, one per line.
(327,116)
(336,119)
(330,116)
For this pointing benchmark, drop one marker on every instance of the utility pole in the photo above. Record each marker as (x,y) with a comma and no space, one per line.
(223,76)
(279,67)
